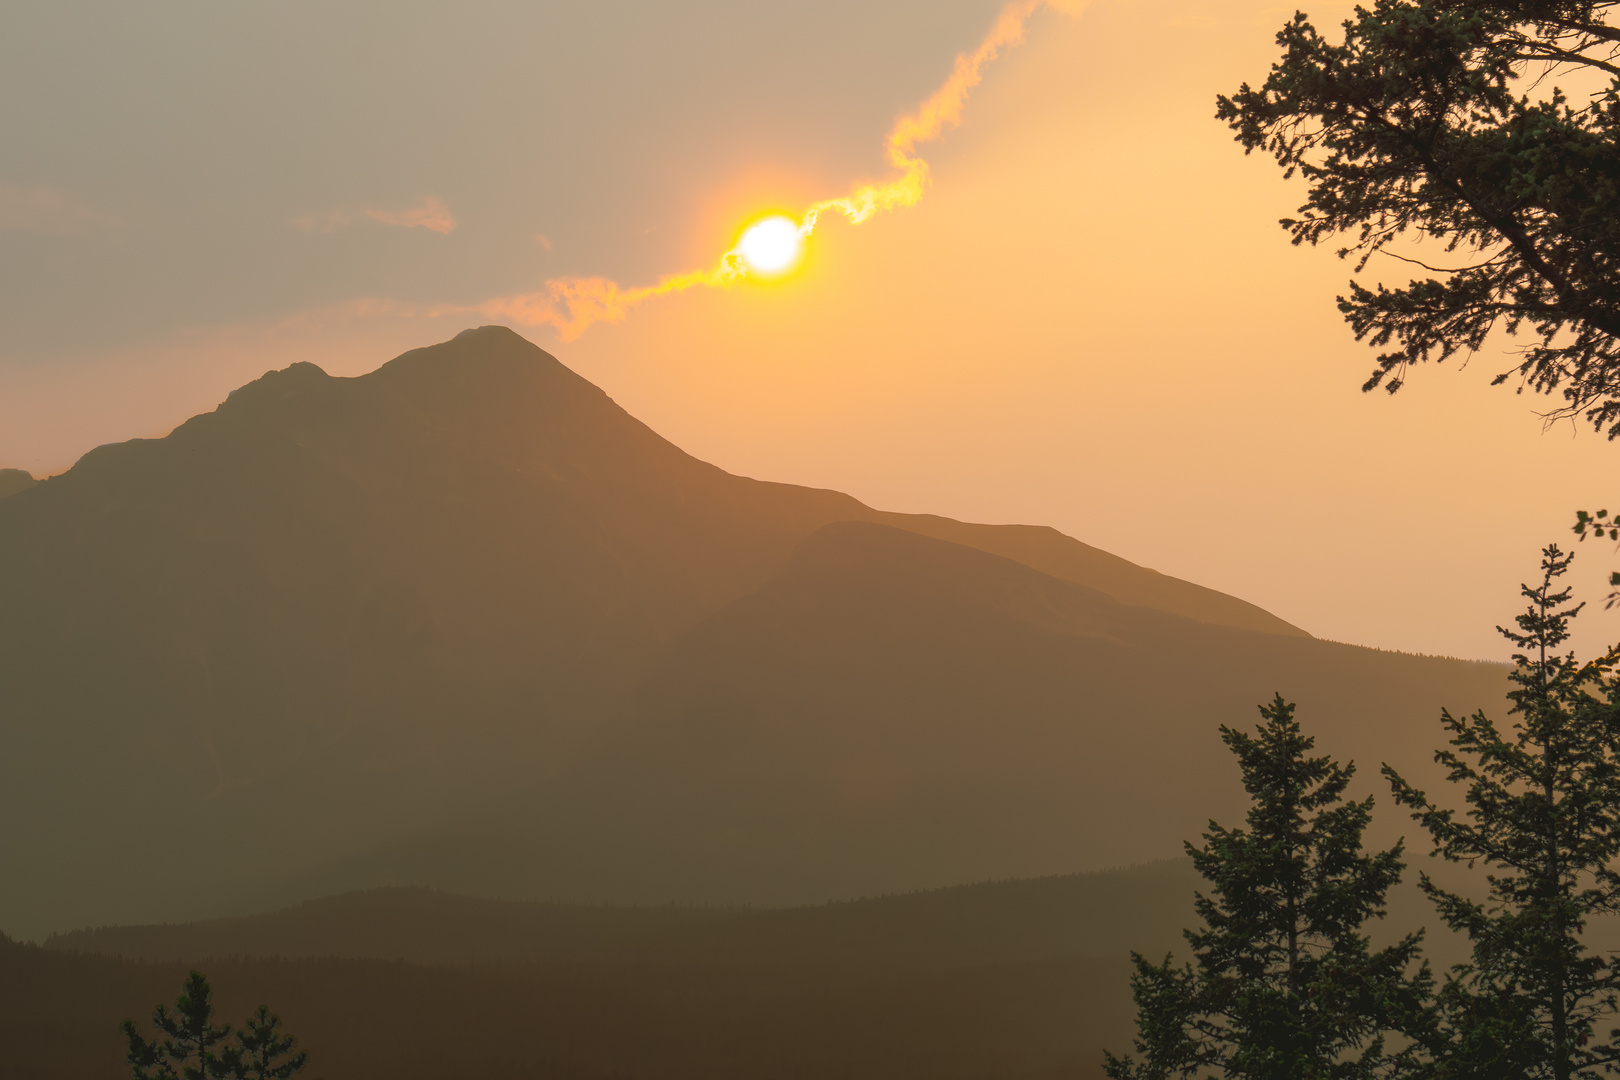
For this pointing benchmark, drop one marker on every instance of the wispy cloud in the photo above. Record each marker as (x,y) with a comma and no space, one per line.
(47,211)
(331,221)
(570,305)
(430,213)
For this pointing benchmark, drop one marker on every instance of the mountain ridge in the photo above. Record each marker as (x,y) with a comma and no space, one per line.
(15,481)
(463,622)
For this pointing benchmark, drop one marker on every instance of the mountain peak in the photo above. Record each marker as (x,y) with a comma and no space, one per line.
(14,480)
(279,384)
(341,614)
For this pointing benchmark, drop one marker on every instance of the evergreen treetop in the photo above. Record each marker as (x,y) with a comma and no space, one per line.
(196,1048)
(1543,816)
(1283,984)
(187,1051)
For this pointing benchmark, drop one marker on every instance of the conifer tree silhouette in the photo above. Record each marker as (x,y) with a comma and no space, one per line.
(261,1050)
(1283,984)
(1544,818)
(1441,120)
(187,1053)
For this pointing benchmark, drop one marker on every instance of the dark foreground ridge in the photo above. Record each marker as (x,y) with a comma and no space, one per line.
(1024,978)
(465,623)
(1003,979)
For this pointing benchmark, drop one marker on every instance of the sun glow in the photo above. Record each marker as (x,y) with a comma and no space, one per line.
(771,246)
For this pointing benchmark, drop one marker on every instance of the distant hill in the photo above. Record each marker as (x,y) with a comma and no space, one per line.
(463,622)
(1106,913)
(13,481)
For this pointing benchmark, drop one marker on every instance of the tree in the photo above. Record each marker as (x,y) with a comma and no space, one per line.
(1429,122)
(188,1051)
(261,1050)
(1599,525)
(1283,984)
(1544,818)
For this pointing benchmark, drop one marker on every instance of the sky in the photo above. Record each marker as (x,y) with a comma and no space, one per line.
(1091,320)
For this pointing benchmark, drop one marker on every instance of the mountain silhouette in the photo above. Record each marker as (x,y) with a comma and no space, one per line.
(464,622)
(13,481)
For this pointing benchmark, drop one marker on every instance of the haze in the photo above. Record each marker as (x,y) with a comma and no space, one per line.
(1091,321)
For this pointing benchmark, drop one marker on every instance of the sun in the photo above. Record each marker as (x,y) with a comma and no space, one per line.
(771,245)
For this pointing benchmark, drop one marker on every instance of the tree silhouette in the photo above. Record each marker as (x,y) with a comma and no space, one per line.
(261,1050)
(1544,817)
(1428,122)
(187,1052)
(1283,985)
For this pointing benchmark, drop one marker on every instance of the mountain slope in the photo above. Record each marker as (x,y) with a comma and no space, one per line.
(1043,548)
(13,481)
(345,631)
(894,712)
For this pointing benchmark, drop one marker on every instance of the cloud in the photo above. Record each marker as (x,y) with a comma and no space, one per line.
(571,305)
(430,213)
(329,222)
(47,212)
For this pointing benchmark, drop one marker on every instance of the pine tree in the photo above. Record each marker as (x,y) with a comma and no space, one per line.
(1544,818)
(188,1051)
(1283,984)
(1440,121)
(262,1050)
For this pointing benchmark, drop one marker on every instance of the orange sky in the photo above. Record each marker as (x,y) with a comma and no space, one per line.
(1091,321)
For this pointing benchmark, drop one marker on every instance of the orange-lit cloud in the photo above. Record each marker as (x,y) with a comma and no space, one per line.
(430,213)
(571,305)
(943,109)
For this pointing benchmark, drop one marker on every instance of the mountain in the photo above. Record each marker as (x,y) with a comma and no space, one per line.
(464,622)
(14,480)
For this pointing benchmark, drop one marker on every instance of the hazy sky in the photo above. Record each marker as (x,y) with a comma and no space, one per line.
(1091,321)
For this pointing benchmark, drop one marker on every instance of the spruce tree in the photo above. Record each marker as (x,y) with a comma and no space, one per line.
(188,1051)
(1543,817)
(1283,984)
